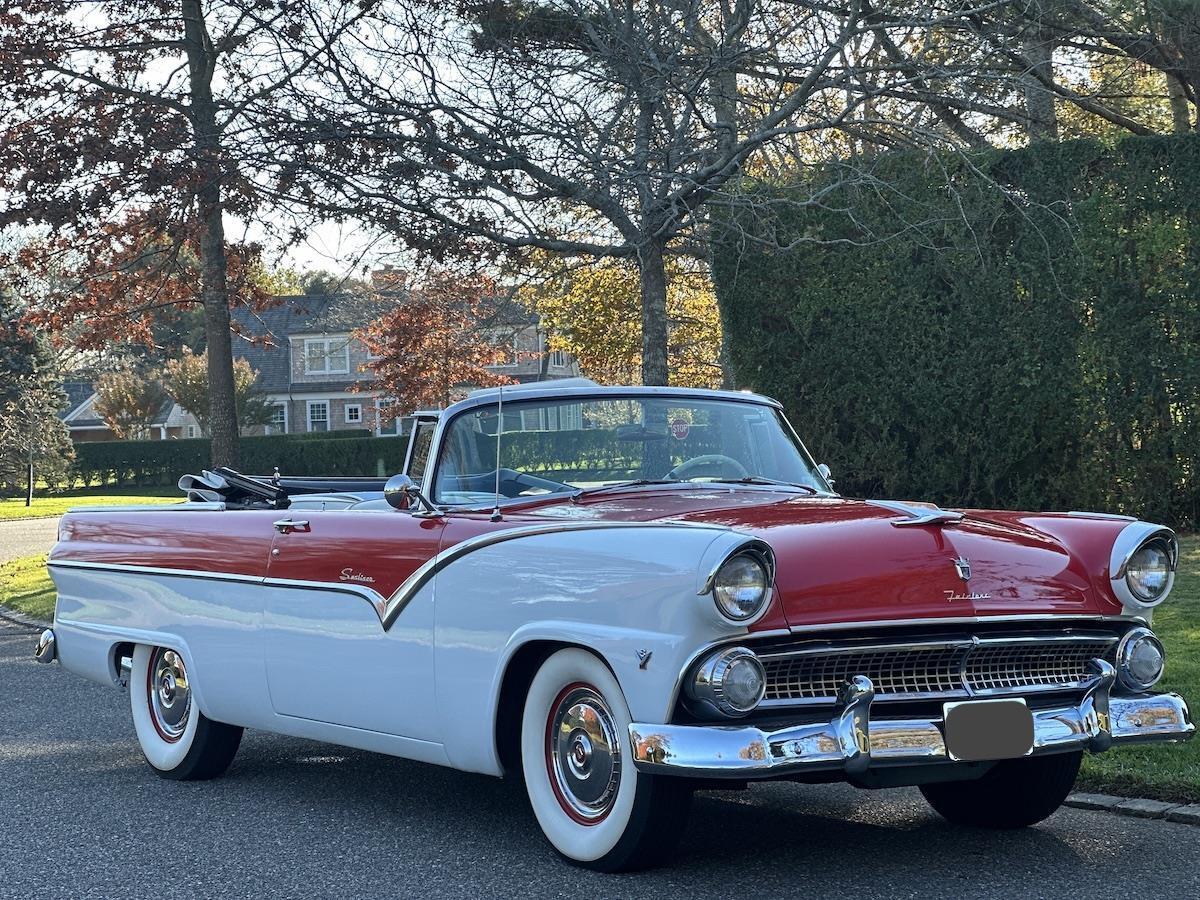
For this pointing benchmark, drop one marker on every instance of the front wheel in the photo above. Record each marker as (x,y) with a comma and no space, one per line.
(1014,794)
(179,741)
(595,808)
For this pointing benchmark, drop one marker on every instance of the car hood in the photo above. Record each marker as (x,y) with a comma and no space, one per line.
(845,561)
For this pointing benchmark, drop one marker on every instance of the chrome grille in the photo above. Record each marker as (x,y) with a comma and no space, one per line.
(935,669)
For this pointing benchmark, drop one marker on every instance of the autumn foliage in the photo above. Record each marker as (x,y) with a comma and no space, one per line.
(439,338)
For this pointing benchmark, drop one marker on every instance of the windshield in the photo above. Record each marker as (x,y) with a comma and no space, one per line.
(552,446)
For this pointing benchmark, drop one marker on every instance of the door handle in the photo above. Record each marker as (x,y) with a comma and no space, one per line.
(283,526)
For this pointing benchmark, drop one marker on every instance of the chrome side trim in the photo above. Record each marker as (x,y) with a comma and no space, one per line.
(405,592)
(390,607)
(371,596)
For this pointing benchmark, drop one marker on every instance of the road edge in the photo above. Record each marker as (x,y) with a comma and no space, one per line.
(1183,813)
(17,617)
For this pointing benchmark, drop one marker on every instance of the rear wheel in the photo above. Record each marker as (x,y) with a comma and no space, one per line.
(595,808)
(178,740)
(1014,794)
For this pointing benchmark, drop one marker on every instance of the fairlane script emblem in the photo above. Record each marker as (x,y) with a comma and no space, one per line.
(349,574)
(963,566)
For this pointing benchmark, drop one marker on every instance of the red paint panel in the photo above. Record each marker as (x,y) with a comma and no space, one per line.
(212,541)
(377,550)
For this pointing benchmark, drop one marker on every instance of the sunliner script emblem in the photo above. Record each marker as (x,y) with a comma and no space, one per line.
(349,574)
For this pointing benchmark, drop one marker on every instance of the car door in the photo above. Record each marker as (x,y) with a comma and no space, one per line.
(329,657)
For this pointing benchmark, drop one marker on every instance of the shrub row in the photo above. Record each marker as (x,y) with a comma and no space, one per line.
(145,463)
(1013,329)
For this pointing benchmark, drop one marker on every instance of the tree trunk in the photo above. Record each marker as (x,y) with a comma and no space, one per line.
(214,291)
(1039,100)
(652,273)
(1180,111)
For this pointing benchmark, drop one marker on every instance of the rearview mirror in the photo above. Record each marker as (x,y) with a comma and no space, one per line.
(825,473)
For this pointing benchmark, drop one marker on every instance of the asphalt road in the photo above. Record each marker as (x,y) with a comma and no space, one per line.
(81,816)
(25,537)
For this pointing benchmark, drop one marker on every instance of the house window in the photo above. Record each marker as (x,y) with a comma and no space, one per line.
(278,421)
(386,420)
(191,431)
(318,415)
(353,413)
(326,356)
(510,355)
(558,359)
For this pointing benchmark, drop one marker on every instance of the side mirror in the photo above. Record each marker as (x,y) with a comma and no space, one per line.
(401,492)
(825,473)
(398,491)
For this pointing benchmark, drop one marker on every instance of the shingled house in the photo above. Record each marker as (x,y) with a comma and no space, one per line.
(317,374)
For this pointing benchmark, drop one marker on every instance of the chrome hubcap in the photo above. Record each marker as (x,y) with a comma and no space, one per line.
(584,754)
(169,694)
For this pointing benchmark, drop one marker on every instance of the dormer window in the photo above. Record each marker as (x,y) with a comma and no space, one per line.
(327,356)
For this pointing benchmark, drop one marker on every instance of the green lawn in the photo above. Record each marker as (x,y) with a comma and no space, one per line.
(1164,771)
(25,586)
(57,504)
(1161,771)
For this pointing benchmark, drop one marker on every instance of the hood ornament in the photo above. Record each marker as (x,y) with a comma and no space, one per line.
(962,565)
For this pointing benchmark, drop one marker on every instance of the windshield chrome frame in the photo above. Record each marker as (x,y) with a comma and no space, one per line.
(484,398)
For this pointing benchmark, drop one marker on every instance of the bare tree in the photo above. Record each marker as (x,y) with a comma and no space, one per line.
(128,133)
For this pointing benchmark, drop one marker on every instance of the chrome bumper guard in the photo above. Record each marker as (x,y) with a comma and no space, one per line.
(853,742)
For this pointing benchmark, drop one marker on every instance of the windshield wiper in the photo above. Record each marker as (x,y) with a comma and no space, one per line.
(588,492)
(762,479)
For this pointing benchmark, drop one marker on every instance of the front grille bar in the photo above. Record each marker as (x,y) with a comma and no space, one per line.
(935,669)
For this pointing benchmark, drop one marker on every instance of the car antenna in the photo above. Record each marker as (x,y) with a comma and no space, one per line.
(496,517)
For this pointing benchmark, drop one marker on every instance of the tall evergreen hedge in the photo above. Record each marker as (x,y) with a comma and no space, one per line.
(1011,329)
(333,453)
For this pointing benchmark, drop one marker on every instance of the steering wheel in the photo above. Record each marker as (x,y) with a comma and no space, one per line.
(712,465)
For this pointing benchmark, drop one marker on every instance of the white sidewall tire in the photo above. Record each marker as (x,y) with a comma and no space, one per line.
(163,755)
(585,843)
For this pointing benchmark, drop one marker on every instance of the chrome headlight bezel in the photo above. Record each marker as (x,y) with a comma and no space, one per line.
(707,683)
(756,553)
(1125,650)
(1134,538)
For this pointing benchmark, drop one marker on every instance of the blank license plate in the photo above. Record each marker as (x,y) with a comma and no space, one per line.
(988,729)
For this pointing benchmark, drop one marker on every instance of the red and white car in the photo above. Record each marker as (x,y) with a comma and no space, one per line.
(622,594)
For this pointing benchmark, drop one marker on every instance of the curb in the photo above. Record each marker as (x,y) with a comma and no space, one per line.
(1184,813)
(19,618)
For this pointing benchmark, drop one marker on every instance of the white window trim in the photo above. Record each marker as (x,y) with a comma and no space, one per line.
(275,405)
(308,414)
(380,403)
(346,413)
(327,343)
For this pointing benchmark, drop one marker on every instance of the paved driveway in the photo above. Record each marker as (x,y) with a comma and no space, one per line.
(24,537)
(84,817)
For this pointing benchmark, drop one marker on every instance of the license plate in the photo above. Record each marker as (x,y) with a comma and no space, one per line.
(988,729)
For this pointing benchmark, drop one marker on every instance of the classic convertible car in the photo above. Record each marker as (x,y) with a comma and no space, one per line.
(623,594)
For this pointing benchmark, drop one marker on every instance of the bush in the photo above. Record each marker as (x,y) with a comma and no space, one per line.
(1028,339)
(145,463)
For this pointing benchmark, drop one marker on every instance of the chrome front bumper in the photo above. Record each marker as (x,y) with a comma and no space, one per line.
(853,742)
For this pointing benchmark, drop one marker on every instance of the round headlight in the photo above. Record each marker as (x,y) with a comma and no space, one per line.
(1140,660)
(1148,572)
(731,681)
(740,587)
